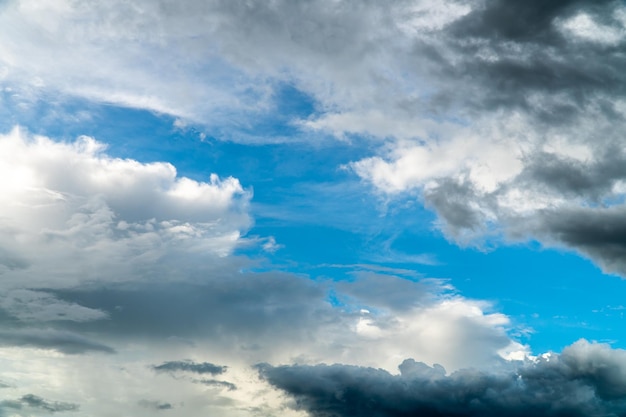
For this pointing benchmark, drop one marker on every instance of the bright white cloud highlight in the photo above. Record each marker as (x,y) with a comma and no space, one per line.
(73,214)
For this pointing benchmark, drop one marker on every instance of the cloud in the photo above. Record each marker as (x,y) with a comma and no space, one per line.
(505,119)
(61,341)
(389,292)
(76,215)
(539,133)
(39,306)
(156,405)
(597,233)
(282,317)
(190,366)
(34,401)
(585,379)
(215,383)
(476,110)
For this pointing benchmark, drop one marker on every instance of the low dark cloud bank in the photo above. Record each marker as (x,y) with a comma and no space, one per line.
(584,380)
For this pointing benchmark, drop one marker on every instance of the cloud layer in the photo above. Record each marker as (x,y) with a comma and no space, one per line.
(494,113)
(504,118)
(584,380)
(108,260)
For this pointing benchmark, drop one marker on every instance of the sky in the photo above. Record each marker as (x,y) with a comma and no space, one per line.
(322,208)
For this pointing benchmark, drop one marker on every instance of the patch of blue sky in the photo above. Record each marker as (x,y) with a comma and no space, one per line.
(560,296)
(326,222)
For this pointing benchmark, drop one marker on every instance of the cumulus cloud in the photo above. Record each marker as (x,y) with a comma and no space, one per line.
(503,118)
(74,217)
(585,379)
(541,138)
(73,214)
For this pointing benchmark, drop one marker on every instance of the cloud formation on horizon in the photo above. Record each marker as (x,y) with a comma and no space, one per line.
(584,380)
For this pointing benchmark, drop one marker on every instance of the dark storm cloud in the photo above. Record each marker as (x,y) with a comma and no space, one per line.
(524,21)
(190,366)
(599,233)
(509,54)
(572,177)
(585,380)
(61,341)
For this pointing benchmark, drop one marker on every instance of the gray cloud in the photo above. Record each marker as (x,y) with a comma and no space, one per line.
(215,383)
(234,305)
(570,177)
(34,401)
(584,380)
(39,306)
(61,341)
(599,233)
(543,79)
(14,404)
(190,366)
(529,22)
(156,405)
(390,292)
(511,50)
(271,316)
(450,200)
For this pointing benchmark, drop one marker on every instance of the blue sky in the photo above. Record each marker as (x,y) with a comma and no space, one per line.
(209,202)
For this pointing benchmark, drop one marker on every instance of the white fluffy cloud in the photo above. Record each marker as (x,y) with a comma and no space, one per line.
(72,214)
